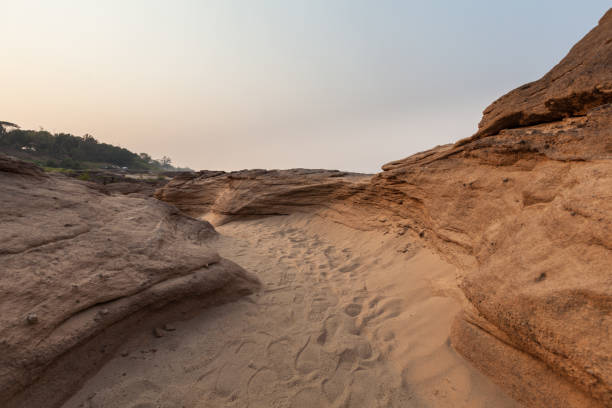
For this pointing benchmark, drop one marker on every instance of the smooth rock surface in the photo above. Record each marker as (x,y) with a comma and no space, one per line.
(80,270)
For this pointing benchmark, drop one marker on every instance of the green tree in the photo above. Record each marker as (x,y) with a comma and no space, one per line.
(145,157)
(4,125)
(69,151)
(166,162)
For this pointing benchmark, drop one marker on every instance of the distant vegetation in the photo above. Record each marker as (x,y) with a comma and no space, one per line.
(63,150)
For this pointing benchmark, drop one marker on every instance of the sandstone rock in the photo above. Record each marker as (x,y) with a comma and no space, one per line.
(220,197)
(523,208)
(579,83)
(12,165)
(526,212)
(80,269)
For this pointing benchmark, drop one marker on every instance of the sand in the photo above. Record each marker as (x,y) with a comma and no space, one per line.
(345,318)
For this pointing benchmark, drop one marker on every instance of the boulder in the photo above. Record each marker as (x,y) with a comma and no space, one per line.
(81,269)
(580,82)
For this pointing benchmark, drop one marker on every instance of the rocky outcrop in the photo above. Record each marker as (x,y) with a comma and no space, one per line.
(82,269)
(580,82)
(530,207)
(523,208)
(109,181)
(527,215)
(221,197)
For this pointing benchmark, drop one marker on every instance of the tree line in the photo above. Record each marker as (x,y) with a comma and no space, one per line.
(69,151)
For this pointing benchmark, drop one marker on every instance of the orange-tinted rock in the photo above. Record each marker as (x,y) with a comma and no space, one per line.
(580,82)
(527,213)
(524,208)
(534,237)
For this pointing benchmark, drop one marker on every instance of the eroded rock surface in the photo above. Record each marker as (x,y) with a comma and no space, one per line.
(523,207)
(533,234)
(80,269)
(527,212)
(580,82)
(219,196)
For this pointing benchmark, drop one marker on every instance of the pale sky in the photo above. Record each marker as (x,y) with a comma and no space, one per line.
(228,84)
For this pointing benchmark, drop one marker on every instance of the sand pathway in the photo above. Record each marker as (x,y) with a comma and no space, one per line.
(326,330)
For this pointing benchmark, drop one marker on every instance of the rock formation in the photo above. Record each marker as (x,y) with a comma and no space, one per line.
(532,233)
(81,269)
(220,197)
(523,208)
(580,82)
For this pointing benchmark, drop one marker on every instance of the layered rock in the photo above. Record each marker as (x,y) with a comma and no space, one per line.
(533,235)
(531,207)
(220,197)
(81,269)
(580,82)
(523,207)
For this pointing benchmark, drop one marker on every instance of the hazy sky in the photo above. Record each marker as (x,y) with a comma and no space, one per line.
(346,84)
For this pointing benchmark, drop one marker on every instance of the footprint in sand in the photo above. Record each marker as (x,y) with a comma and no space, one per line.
(286,277)
(307,398)
(352,309)
(328,252)
(362,393)
(339,325)
(328,329)
(318,307)
(349,268)
(337,384)
(307,359)
(312,357)
(259,390)
(280,357)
